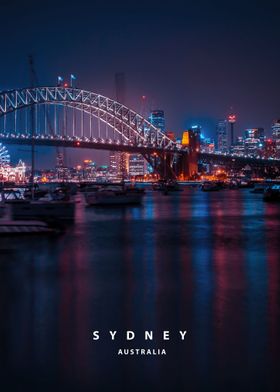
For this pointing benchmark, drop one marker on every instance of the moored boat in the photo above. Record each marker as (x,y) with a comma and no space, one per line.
(167,186)
(272,193)
(47,211)
(14,227)
(114,195)
(210,186)
(258,188)
(244,184)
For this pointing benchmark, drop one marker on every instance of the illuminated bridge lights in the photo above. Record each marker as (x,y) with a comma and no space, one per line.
(81,113)
(69,117)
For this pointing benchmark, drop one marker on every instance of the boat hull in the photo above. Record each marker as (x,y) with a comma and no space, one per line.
(12,227)
(45,211)
(102,199)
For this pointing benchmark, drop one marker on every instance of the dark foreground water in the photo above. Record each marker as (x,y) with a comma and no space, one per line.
(205,262)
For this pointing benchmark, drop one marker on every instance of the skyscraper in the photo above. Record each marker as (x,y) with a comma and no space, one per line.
(254,133)
(197,131)
(222,136)
(136,165)
(207,145)
(276,136)
(114,162)
(119,163)
(269,150)
(254,141)
(158,120)
(239,146)
(232,121)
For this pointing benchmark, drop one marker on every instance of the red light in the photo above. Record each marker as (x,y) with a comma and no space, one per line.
(232,118)
(77,144)
(65,84)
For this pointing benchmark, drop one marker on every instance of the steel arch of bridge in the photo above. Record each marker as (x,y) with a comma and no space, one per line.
(132,128)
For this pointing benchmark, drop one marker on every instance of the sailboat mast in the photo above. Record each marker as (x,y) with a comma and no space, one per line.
(32,113)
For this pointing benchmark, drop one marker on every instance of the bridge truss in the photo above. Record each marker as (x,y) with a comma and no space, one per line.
(71,117)
(65,114)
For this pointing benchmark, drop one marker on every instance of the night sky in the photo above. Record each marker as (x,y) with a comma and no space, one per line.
(194,60)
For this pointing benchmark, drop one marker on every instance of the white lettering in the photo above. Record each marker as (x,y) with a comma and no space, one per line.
(165,335)
(95,335)
(130,335)
(149,335)
(183,333)
(113,333)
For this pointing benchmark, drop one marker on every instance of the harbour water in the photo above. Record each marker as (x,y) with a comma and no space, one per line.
(208,263)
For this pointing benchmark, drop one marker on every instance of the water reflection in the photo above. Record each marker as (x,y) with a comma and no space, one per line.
(204,262)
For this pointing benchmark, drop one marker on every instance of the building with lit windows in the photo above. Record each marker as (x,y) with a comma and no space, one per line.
(158,120)
(276,136)
(118,163)
(269,149)
(222,136)
(239,146)
(136,165)
(254,142)
(252,147)
(207,145)
(254,133)
(15,174)
(232,120)
(197,131)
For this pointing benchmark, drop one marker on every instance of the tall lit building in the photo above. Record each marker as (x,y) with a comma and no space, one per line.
(207,145)
(232,121)
(239,146)
(136,166)
(197,131)
(61,169)
(254,141)
(113,162)
(185,139)
(254,133)
(222,136)
(119,162)
(269,150)
(276,136)
(158,120)
(252,147)
(191,140)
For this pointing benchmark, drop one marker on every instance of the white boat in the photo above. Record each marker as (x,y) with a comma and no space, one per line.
(114,195)
(13,227)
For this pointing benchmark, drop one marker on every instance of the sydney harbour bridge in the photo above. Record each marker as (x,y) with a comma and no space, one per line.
(72,117)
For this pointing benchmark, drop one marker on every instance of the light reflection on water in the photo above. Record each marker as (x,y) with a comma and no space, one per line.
(206,262)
